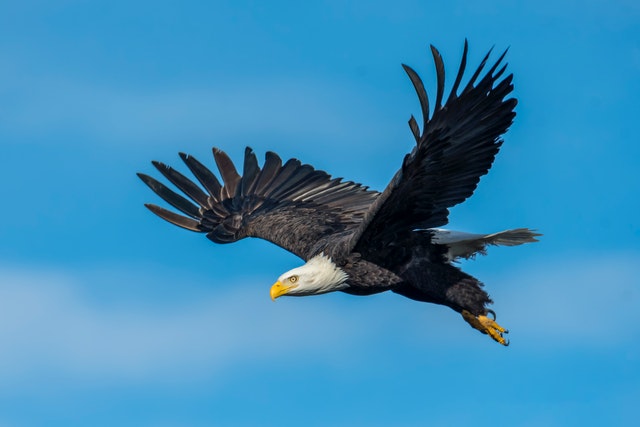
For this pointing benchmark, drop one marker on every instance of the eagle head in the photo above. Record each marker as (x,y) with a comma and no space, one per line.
(318,276)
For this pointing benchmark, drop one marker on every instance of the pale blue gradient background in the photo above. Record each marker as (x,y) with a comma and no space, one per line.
(109,316)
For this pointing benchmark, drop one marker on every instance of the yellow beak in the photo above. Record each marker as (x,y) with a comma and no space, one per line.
(278,289)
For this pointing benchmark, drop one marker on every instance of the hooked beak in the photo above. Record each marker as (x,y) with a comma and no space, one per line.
(278,289)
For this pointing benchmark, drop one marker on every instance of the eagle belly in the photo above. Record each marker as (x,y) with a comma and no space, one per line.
(418,270)
(442,283)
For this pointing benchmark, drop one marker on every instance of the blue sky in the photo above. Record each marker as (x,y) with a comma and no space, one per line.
(109,316)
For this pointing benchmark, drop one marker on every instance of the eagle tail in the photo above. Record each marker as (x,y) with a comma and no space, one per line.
(468,245)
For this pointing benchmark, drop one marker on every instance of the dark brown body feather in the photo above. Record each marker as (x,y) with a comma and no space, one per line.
(374,237)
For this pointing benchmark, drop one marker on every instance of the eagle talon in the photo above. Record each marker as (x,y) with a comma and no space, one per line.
(486,325)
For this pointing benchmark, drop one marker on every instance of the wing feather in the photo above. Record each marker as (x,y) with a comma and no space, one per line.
(184,184)
(174,218)
(463,65)
(272,165)
(228,172)
(250,172)
(457,145)
(170,196)
(204,176)
(421,92)
(294,206)
(415,129)
(437,58)
(281,179)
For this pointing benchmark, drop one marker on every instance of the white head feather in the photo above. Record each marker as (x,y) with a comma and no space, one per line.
(319,275)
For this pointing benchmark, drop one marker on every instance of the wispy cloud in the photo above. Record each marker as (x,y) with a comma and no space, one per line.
(49,327)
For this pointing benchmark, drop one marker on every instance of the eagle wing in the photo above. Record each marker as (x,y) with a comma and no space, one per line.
(456,147)
(292,205)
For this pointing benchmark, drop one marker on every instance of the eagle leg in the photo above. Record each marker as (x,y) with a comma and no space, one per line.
(486,325)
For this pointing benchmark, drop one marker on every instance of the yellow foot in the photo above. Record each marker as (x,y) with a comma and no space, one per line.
(487,325)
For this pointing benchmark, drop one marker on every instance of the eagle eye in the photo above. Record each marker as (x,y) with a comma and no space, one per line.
(293,279)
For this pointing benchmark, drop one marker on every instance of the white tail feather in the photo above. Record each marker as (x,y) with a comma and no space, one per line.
(468,245)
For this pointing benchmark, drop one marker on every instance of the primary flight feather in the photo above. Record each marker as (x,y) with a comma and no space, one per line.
(360,241)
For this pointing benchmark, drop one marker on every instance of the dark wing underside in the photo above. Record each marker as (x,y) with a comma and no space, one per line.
(456,147)
(293,205)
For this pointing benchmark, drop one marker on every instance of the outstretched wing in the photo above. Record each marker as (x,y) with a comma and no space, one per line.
(293,205)
(456,147)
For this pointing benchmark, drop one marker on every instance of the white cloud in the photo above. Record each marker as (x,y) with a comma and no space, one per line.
(51,328)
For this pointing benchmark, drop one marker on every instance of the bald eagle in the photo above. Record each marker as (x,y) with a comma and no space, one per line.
(360,241)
